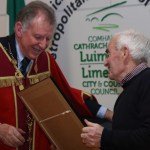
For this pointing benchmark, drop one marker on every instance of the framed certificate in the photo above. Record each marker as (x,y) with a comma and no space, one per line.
(51,110)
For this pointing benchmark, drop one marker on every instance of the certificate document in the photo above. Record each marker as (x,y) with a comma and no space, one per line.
(51,110)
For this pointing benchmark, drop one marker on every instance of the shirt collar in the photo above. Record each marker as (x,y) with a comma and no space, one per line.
(19,54)
(134,72)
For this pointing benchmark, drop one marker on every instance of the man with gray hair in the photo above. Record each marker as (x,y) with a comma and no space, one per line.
(127,61)
(24,61)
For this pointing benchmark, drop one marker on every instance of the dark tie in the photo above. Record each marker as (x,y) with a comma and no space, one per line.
(24,64)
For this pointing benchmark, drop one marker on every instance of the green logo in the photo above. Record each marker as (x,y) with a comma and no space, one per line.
(101,21)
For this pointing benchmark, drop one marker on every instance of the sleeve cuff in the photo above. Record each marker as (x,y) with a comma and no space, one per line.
(101,112)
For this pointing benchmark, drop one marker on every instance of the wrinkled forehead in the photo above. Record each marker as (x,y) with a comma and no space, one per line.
(112,43)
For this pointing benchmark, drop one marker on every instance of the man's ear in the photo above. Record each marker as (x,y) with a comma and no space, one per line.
(125,52)
(18,29)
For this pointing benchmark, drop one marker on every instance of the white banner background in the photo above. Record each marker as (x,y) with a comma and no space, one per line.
(75,35)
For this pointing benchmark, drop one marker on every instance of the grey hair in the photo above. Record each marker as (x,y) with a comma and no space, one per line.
(32,9)
(138,44)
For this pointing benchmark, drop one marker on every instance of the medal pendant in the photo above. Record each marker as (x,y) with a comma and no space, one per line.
(21,87)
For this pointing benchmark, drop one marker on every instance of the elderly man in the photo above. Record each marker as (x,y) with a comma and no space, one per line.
(128,53)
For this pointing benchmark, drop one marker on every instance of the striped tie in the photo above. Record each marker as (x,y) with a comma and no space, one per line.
(24,64)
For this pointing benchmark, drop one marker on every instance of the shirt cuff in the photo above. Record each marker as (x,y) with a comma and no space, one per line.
(101,112)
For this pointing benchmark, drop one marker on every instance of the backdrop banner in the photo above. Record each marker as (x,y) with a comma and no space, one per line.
(83,31)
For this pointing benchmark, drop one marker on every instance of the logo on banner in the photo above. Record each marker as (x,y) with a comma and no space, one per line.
(94,76)
(67,12)
(94,17)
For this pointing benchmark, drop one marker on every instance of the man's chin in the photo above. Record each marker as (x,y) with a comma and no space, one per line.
(33,57)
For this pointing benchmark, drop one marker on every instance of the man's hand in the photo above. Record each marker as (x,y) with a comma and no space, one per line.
(91,135)
(11,136)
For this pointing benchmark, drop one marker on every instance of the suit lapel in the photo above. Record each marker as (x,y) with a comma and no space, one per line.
(12,45)
(9,44)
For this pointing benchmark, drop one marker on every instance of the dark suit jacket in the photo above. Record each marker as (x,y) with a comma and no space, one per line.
(9,43)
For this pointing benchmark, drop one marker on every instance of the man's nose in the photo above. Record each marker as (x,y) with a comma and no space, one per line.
(43,44)
(105,62)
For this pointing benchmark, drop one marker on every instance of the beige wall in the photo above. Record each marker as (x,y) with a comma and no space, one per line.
(4,19)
